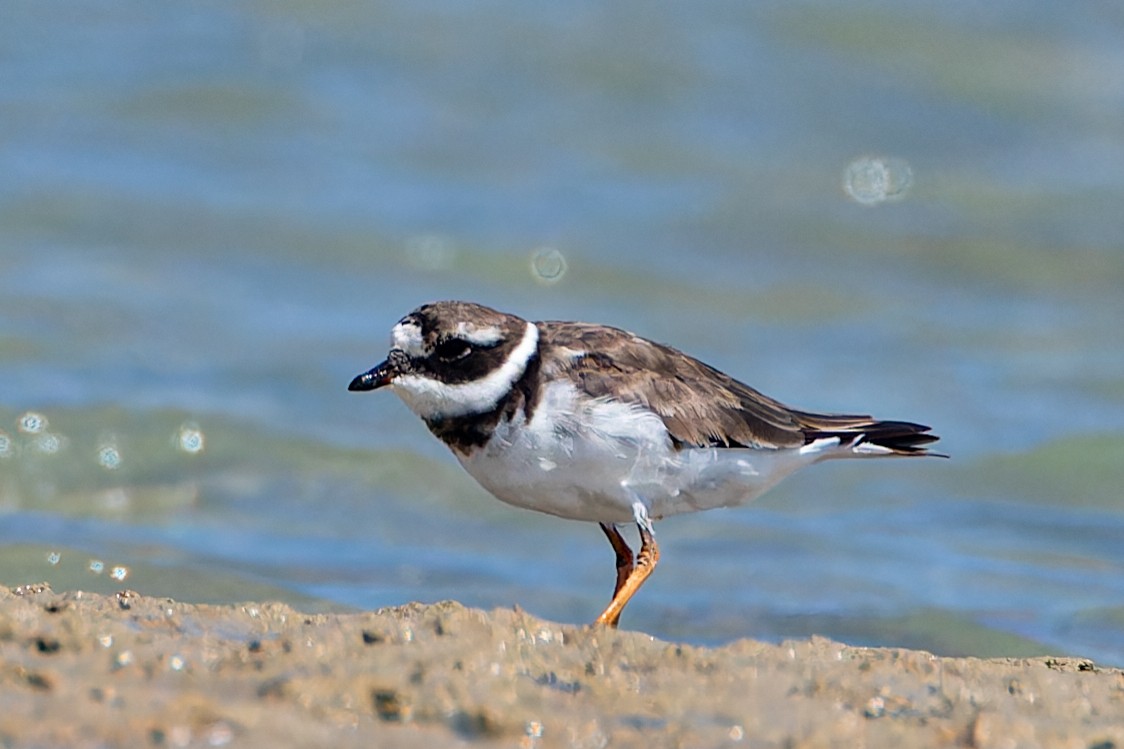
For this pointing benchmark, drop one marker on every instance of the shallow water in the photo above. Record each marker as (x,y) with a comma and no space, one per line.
(211,216)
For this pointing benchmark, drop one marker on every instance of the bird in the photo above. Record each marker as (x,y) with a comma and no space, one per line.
(593,423)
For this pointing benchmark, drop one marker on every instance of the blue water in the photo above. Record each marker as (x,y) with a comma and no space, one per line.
(211,215)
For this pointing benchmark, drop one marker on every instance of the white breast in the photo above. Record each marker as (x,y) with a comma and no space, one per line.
(591,459)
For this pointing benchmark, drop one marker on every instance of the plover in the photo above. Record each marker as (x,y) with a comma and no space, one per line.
(590,422)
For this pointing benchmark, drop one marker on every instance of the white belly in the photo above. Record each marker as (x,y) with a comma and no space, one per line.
(594,465)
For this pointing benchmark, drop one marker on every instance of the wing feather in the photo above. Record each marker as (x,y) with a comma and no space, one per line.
(700,405)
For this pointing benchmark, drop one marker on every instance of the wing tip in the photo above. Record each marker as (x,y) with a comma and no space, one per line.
(878,438)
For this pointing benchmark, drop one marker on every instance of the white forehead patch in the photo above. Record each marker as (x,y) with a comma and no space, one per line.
(487,336)
(408,337)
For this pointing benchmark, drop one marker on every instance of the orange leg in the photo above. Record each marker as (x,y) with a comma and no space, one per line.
(646,561)
(624,554)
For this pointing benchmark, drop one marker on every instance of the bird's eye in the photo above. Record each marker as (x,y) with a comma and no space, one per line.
(453,349)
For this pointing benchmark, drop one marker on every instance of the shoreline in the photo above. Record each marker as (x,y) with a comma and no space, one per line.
(82,669)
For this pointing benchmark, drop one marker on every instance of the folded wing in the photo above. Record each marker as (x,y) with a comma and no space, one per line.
(700,405)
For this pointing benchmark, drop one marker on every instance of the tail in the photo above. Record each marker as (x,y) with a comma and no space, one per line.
(868,436)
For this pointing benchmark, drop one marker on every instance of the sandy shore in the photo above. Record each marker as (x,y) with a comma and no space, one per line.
(85,670)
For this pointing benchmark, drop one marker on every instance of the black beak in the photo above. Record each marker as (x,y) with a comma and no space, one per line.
(375,378)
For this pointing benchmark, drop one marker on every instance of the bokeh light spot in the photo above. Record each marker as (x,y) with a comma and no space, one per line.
(871,180)
(190,439)
(548,265)
(47,443)
(109,457)
(33,423)
(430,252)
